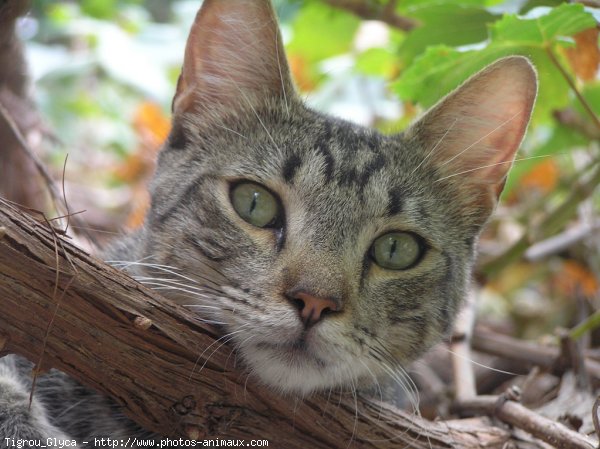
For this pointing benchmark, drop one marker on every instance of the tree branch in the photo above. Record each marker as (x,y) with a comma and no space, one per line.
(369,10)
(573,87)
(167,370)
(571,118)
(14,96)
(553,222)
(525,352)
(511,412)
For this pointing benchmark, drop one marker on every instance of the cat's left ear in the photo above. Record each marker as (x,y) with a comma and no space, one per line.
(234,55)
(472,134)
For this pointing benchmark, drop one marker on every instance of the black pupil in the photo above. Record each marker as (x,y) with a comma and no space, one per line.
(253,203)
(393,248)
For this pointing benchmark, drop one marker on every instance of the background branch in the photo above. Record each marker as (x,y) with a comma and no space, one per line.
(508,410)
(371,11)
(14,96)
(552,223)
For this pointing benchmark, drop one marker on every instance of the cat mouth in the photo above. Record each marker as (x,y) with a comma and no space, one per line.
(298,365)
(300,345)
(297,350)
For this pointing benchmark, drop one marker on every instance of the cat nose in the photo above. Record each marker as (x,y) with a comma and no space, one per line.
(312,308)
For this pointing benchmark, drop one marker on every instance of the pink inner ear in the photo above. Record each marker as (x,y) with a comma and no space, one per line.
(477,129)
(234,54)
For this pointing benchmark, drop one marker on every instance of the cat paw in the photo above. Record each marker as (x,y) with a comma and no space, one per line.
(19,420)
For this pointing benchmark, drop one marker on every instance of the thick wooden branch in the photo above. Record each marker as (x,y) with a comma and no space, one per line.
(170,372)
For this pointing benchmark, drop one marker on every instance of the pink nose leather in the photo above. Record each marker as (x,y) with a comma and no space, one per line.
(312,308)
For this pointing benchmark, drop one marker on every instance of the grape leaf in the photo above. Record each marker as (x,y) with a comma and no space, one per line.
(442,68)
(335,36)
(444,23)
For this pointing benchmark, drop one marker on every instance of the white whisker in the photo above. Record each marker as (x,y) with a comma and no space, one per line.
(226,338)
(145,279)
(230,130)
(355,425)
(167,269)
(249,103)
(480,364)
(491,165)
(481,138)
(287,108)
(158,286)
(201,306)
(434,147)
(376,383)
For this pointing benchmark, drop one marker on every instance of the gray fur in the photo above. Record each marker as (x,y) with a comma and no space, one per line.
(340,186)
(62,409)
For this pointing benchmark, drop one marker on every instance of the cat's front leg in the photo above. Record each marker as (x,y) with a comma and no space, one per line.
(19,421)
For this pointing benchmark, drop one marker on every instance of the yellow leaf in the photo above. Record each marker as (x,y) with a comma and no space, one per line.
(585,56)
(543,177)
(151,123)
(132,169)
(153,128)
(301,72)
(574,279)
(140,203)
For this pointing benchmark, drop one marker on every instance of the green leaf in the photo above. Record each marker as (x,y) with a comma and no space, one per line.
(104,9)
(591,93)
(565,20)
(335,34)
(60,14)
(377,62)
(529,5)
(100,9)
(441,68)
(407,6)
(445,23)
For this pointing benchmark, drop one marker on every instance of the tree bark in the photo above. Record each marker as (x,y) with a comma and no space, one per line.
(19,179)
(170,372)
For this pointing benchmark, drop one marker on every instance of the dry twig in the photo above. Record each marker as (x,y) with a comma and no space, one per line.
(526,352)
(460,348)
(511,412)
(562,241)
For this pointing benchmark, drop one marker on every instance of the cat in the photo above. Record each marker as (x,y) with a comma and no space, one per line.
(339,253)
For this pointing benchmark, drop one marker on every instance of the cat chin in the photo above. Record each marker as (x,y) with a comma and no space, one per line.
(297,371)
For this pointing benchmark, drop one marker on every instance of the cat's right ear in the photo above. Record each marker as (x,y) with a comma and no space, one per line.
(234,57)
(472,135)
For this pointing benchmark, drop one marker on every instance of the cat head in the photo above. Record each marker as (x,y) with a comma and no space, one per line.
(328,253)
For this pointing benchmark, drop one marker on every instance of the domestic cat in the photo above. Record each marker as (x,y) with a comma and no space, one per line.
(339,253)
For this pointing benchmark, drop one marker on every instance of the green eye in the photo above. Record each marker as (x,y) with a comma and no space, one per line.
(396,250)
(255,204)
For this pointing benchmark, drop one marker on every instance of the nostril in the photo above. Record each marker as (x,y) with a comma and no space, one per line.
(299,303)
(312,308)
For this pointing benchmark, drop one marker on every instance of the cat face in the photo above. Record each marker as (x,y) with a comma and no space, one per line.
(337,189)
(328,253)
